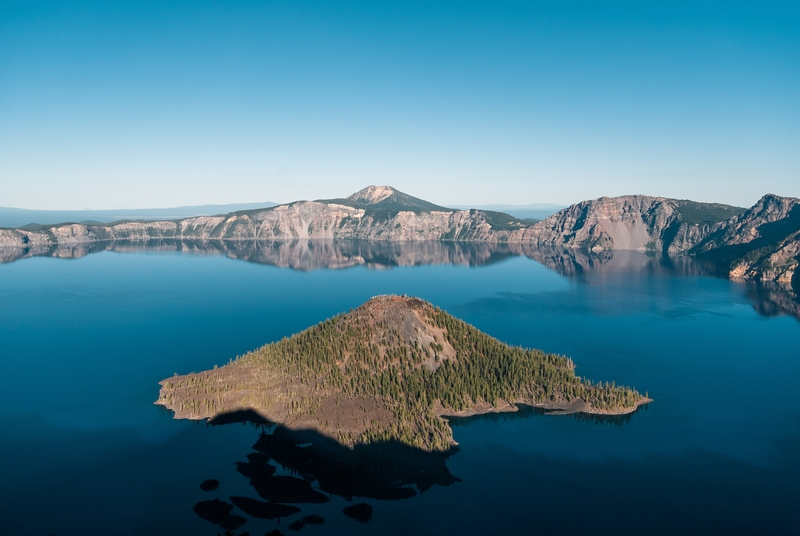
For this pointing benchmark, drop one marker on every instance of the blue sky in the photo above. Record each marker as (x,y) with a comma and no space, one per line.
(153,104)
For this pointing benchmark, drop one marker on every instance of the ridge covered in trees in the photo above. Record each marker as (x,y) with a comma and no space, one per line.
(389,370)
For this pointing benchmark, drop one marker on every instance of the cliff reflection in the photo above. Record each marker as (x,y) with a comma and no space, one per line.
(526,412)
(626,267)
(294,254)
(584,266)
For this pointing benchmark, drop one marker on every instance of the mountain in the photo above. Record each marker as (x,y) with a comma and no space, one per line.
(761,243)
(389,370)
(386,198)
(631,222)
(375,213)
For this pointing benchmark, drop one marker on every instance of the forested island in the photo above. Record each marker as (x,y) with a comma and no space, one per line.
(390,370)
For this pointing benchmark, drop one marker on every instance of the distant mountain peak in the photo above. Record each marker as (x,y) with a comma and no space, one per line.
(384,198)
(372,194)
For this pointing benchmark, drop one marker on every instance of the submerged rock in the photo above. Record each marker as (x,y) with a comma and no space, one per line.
(307,520)
(262,509)
(361,512)
(219,513)
(209,485)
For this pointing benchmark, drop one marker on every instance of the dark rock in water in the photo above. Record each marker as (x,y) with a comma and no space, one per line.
(213,511)
(219,513)
(209,485)
(307,520)
(386,470)
(257,457)
(314,520)
(263,510)
(279,489)
(274,532)
(232,522)
(361,512)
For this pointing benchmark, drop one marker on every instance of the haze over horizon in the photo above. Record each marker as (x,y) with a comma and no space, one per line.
(106,105)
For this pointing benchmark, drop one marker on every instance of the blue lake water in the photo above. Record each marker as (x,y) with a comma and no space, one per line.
(84,342)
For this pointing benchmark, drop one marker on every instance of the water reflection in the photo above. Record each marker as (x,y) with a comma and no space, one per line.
(294,254)
(769,299)
(526,412)
(292,470)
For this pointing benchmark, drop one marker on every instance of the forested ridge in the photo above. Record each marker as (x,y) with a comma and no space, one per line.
(418,361)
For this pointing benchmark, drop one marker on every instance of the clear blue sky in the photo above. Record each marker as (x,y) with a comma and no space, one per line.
(152,104)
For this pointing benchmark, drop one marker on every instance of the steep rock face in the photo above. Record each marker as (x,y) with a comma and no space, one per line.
(633,222)
(16,238)
(301,220)
(630,223)
(687,236)
(763,243)
(749,226)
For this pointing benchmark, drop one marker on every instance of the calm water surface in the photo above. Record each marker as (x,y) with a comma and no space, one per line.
(83,343)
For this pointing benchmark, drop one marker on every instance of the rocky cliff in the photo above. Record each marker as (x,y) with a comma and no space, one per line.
(763,243)
(375,213)
(631,222)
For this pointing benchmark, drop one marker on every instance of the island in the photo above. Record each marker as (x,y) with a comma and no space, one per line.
(392,369)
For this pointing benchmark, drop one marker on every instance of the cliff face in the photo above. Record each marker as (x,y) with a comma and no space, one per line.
(301,220)
(762,244)
(631,223)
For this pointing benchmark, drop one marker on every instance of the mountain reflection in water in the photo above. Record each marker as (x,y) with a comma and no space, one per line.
(768,299)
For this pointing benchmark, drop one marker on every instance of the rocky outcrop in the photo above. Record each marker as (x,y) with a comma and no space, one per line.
(630,223)
(302,220)
(633,222)
(761,244)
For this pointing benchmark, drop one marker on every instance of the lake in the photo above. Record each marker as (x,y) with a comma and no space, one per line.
(86,333)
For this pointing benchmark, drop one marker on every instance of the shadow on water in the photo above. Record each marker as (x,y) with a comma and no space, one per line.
(318,468)
(289,469)
(527,412)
